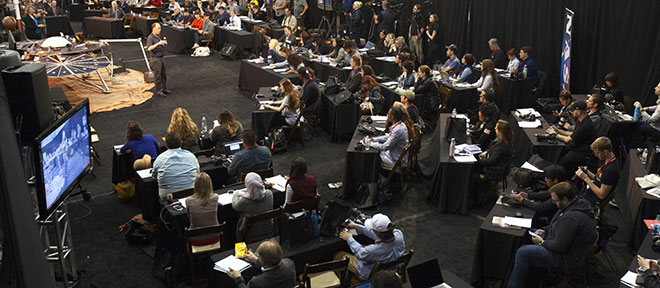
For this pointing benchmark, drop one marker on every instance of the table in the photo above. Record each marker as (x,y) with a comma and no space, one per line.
(94,12)
(142,25)
(645,251)
(324,70)
(122,166)
(57,24)
(252,77)
(104,27)
(635,205)
(338,120)
(526,144)
(262,120)
(179,40)
(244,40)
(316,251)
(382,67)
(452,181)
(462,98)
(360,166)
(496,247)
(513,94)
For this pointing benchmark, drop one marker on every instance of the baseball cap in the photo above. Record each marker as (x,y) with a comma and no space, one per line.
(453,47)
(578,105)
(378,222)
(304,72)
(406,93)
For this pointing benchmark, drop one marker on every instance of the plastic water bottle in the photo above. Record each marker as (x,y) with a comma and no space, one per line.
(204,127)
(524,71)
(637,113)
(645,155)
(315,223)
(453,113)
(656,225)
(452,147)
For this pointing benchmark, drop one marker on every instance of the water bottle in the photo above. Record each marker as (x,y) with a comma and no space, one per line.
(524,71)
(165,39)
(645,155)
(452,146)
(204,127)
(453,113)
(315,223)
(637,113)
(656,225)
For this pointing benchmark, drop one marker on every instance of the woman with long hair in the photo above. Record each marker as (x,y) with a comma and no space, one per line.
(184,127)
(425,85)
(203,204)
(433,38)
(407,79)
(370,97)
(289,105)
(227,130)
(488,80)
(139,144)
(300,186)
(274,55)
(492,163)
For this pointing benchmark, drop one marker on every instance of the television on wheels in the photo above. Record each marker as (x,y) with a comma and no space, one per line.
(62,158)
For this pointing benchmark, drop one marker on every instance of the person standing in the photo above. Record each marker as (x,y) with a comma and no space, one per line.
(300,8)
(279,9)
(157,49)
(416,32)
(115,12)
(432,34)
(385,19)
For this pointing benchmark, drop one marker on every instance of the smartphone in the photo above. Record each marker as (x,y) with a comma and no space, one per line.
(518,214)
(531,231)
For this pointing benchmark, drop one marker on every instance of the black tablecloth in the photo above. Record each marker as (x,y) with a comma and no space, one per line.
(76,11)
(122,168)
(316,251)
(452,181)
(179,40)
(382,67)
(645,251)
(463,99)
(57,24)
(634,203)
(514,94)
(253,76)
(526,145)
(325,70)
(104,27)
(338,120)
(391,96)
(360,166)
(243,40)
(142,25)
(496,247)
(94,12)
(262,120)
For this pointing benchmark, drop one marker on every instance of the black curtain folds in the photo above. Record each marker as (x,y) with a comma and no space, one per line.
(621,36)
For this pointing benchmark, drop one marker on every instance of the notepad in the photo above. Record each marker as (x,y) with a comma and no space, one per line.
(465,159)
(231,262)
(531,167)
(278,182)
(145,174)
(520,222)
(529,124)
(225,199)
(629,279)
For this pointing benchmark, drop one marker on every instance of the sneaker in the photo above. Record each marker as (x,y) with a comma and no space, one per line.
(613,203)
(195,46)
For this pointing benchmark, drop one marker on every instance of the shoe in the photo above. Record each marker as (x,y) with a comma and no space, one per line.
(195,46)
(161,94)
(167,91)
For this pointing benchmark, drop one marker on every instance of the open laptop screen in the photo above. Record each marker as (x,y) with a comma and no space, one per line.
(232,147)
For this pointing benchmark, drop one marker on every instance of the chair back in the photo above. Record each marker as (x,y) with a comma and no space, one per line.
(400,266)
(265,173)
(211,231)
(398,166)
(270,215)
(340,266)
(183,193)
(601,204)
(308,204)
(194,252)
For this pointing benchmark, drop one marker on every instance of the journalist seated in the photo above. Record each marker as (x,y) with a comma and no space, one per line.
(562,116)
(256,199)
(577,142)
(310,89)
(139,144)
(300,186)
(483,132)
(174,169)
(227,130)
(406,97)
(492,162)
(562,246)
(465,74)
(388,246)
(406,79)
(355,77)
(650,117)
(540,201)
(252,158)
(601,184)
(205,32)
(289,106)
(203,204)
(392,144)
(370,98)
(276,271)
(274,55)
(595,105)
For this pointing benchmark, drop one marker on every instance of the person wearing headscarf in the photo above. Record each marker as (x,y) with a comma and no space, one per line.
(253,200)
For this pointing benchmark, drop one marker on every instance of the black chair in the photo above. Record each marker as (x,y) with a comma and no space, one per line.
(200,253)
(270,215)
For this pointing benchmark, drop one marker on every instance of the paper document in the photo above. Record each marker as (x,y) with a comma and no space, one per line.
(386,58)
(255,60)
(654,192)
(278,182)
(231,262)
(629,279)
(279,70)
(118,147)
(145,174)
(520,222)
(531,167)
(265,102)
(465,159)
(527,111)
(182,201)
(225,199)
(390,83)
(379,119)
(648,181)
(381,129)
(462,85)
(468,148)
(530,124)
(347,68)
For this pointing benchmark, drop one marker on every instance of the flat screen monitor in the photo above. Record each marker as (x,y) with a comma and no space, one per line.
(325,5)
(62,158)
(424,275)
(232,147)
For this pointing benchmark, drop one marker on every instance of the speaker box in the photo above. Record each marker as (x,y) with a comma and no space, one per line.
(29,99)
(229,51)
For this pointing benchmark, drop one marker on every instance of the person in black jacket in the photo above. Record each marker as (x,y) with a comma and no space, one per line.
(561,246)
(424,85)
(541,202)
(578,142)
(33,27)
(650,273)
(276,271)
(484,131)
(370,98)
(311,92)
(612,86)
(497,55)
(493,162)
(357,22)
(355,78)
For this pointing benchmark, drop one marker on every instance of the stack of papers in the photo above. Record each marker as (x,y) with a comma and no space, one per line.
(530,124)
(278,182)
(387,58)
(279,70)
(512,222)
(629,279)
(526,111)
(648,181)
(531,167)
(379,119)
(231,262)
(465,159)
(468,148)
(255,60)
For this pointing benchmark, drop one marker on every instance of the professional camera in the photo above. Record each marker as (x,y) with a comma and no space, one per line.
(546,137)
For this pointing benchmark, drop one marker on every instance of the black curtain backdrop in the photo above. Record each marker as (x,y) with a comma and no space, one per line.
(621,36)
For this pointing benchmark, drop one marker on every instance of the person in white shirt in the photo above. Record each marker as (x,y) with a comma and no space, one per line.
(289,20)
(513,60)
(173,4)
(488,81)
(234,21)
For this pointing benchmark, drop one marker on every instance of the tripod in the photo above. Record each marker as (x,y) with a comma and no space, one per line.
(333,26)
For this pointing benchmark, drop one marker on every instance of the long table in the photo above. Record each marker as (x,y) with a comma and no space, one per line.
(526,143)
(104,27)
(252,77)
(634,203)
(179,40)
(382,67)
(324,70)
(645,251)
(338,120)
(451,186)
(142,25)
(360,166)
(262,120)
(462,98)
(513,94)
(244,40)
(496,247)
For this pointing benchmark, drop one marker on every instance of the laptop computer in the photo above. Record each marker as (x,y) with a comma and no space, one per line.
(232,147)
(425,275)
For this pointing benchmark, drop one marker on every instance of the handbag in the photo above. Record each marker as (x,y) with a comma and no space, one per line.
(332,85)
(296,229)
(343,97)
(333,217)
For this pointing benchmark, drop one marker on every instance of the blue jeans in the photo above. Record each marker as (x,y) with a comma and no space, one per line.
(528,256)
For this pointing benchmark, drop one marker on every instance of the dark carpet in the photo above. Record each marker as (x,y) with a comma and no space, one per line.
(206,85)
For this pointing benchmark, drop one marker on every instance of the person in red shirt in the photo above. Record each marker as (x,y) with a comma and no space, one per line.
(155,3)
(198,23)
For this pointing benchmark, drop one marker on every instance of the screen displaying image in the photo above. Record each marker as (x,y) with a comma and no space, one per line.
(324,4)
(65,153)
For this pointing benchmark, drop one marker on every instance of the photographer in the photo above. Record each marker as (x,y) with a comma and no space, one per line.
(578,141)
(542,204)
(562,116)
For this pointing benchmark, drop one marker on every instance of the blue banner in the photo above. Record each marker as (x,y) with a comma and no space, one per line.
(566,51)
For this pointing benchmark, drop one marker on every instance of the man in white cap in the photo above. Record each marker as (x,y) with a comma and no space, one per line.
(388,245)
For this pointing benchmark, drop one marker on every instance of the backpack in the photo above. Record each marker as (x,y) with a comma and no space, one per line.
(139,231)
(278,143)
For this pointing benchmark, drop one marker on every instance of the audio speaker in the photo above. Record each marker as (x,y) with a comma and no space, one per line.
(29,99)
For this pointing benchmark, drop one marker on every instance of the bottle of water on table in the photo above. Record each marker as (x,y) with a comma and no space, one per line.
(204,127)
(656,225)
